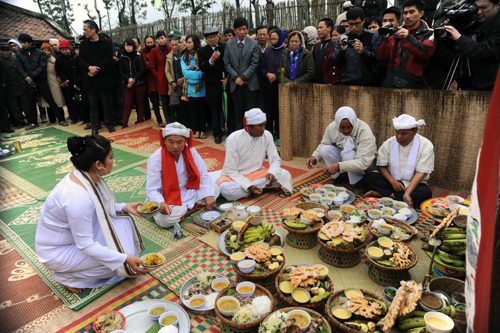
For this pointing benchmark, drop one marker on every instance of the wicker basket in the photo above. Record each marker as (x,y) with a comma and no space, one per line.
(311,205)
(207,224)
(311,312)
(394,223)
(290,302)
(302,239)
(264,280)
(339,257)
(390,276)
(232,327)
(337,325)
(220,230)
(450,286)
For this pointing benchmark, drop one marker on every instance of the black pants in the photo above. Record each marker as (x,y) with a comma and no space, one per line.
(216,128)
(272,110)
(116,104)
(197,114)
(244,100)
(153,97)
(69,93)
(96,98)
(375,181)
(183,114)
(167,113)
(44,90)
(18,104)
(4,114)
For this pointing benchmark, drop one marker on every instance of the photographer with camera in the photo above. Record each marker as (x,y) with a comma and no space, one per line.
(481,49)
(355,51)
(406,48)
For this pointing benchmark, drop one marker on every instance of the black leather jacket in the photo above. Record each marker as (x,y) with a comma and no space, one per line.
(32,63)
(133,66)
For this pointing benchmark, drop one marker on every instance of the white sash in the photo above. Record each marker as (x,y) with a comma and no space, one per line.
(105,206)
(411,161)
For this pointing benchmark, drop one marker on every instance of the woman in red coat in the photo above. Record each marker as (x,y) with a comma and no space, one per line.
(157,61)
(152,93)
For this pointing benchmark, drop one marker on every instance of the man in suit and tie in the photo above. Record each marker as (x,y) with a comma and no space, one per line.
(241,59)
(211,60)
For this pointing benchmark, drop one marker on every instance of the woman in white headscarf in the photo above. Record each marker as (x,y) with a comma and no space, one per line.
(348,145)
(405,162)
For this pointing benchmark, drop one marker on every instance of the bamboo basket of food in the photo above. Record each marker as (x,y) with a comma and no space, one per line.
(394,229)
(355,310)
(454,289)
(353,215)
(261,265)
(304,286)
(390,261)
(303,223)
(285,319)
(340,243)
(239,311)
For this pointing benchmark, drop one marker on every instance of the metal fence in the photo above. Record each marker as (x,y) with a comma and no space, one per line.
(295,14)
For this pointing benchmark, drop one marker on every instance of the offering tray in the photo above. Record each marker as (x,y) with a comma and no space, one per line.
(222,245)
(184,291)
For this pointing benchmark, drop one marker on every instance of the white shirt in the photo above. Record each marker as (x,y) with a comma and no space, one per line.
(154,184)
(425,157)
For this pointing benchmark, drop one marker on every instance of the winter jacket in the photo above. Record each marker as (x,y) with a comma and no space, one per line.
(412,51)
(213,73)
(15,83)
(192,78)
(32,63)
(173,72)
(132,65)
(77,73)
(65,68)
(483,55)
(356,68)
(54,84)
(305,71)
(270,63)
(157,67)
(150,77)
(103,79)
(319,55)
(330,73)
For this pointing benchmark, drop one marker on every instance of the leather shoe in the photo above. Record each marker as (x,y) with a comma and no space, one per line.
(218,140)
(87,127)
(111,129)
(95,132)
(63,123)
(32,126)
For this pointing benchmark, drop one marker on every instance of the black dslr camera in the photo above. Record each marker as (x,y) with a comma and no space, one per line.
(348,42)
(388,30)
(459,16)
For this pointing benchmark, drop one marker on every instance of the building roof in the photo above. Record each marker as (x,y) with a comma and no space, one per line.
(16,20)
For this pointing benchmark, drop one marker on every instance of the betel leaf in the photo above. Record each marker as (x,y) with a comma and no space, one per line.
(154,329)
(231,292)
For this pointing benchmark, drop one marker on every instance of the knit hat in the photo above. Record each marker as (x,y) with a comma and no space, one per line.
(64,44)
(15,42)
(46,46)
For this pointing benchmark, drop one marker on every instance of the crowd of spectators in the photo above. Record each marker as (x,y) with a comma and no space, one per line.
(210,83)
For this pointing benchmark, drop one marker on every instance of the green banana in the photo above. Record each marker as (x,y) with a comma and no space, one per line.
(406,316)
(382,303)
(386,263)
(448,255)
(453,236)
(417,330)
(455,242)
(411,323)
(453,231)
(452,262)
(453,249)
(419,313)
(453,312)
(295,225)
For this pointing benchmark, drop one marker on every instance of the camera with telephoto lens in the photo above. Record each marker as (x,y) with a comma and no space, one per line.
(387,30)
(458,16)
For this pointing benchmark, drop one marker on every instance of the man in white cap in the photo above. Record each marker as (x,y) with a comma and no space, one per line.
(243,173)
(405,163)
(348,145)
(177,177)
(343,16)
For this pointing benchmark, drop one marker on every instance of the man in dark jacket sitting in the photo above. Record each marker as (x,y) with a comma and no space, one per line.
(96,61)
(481,49)
(355,51)
(32,65)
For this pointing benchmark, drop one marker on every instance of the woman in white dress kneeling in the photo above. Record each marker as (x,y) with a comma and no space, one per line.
(83,236)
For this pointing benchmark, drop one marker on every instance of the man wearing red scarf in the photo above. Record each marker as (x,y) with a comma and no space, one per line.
(177,177)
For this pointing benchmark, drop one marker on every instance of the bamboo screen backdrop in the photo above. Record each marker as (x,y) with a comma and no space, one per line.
(455,122)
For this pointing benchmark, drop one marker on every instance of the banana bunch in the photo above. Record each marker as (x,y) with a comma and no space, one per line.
(414,322)
(453,247)
(257,234)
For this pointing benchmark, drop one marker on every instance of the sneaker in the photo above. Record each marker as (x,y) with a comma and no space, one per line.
(32,126)
(63,123)
(278,143)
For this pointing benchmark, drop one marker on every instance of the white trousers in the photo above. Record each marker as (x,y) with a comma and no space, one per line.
(232,191)
(331,155)
(167,221)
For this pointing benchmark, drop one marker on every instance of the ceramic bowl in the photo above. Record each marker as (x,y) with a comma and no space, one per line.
(399,205)
(372,200)
(320,190)
(340,189)
(400,217)
(386,201)
(329,187)
(237,225)
(353,289)
(221,279)
(249,269)
(385,229)
(373,256)
(385,239)
(441,316)
(157,305)
(236,261)
(315,197)
(253,210)
(344,195)
(454,199)
(245,284)
(307,298)
(322,267)
(227,207)
(388,211)
(327,201)
(170,313)
(330,194)
(339,318)
(195,297)
(149,214)
(347,208)
(374,213)
(277,247)
(224,312)
(305,314)
(334,214)
(256,221)
(390,288)
(338,200)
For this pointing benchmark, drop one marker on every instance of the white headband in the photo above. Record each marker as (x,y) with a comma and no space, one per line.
(176,129)
(255,117)
(406,121)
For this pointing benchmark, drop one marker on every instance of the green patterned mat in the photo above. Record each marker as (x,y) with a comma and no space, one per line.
(35,140)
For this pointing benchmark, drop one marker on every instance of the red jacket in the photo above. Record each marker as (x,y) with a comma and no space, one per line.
(419,50)
(330,73)
(157,66)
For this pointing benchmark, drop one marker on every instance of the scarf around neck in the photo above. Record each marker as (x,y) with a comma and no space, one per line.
(170,181)
(411,161)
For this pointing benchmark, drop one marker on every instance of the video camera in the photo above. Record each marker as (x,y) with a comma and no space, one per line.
(388,30)
(348,42)
(459,16)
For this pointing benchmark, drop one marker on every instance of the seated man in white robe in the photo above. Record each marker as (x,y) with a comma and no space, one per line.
(177,177)
(405,163)
(348,145)
(243,173)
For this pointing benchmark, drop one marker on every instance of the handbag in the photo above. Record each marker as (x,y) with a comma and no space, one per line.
(398,77)
(174,100)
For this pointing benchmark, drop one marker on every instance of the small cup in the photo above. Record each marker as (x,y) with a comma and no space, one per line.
(385,229)
(237,225)
(347,208)
(227,207)
(224,312)
(253,210)
(256,220)
(236,261)
(330,194)
(249,269)
(334,214)
(338,200)
(327,201)
(399,205)
(305,314)
(384,240)
(442,316)
(315,197)
(375,257)
(308,298)
(245,284)
(322,267)
(374,213)
(386,201)
(199,306)
(388,211)
(340,318)
(329,187)
(320,190)
(222,279)
(169,313)
(340,189)
(157,305)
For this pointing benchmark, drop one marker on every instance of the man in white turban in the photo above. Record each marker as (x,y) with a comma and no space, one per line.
(243,173)
(177,177)
(348,145)
(405,163)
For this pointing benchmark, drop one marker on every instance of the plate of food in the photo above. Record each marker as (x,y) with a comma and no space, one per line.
(201,284)
(152,260)
(442,202)
(210,215)
(231,240)
(138,320)
(149,209)
(109,321)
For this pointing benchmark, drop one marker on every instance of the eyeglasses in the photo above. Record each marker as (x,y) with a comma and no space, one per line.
(354,23)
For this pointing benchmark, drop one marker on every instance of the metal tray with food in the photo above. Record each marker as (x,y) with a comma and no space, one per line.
(350,200)
(413,218)
(185,292)
(222,245)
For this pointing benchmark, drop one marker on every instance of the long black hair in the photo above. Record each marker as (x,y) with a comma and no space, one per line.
(197,44)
